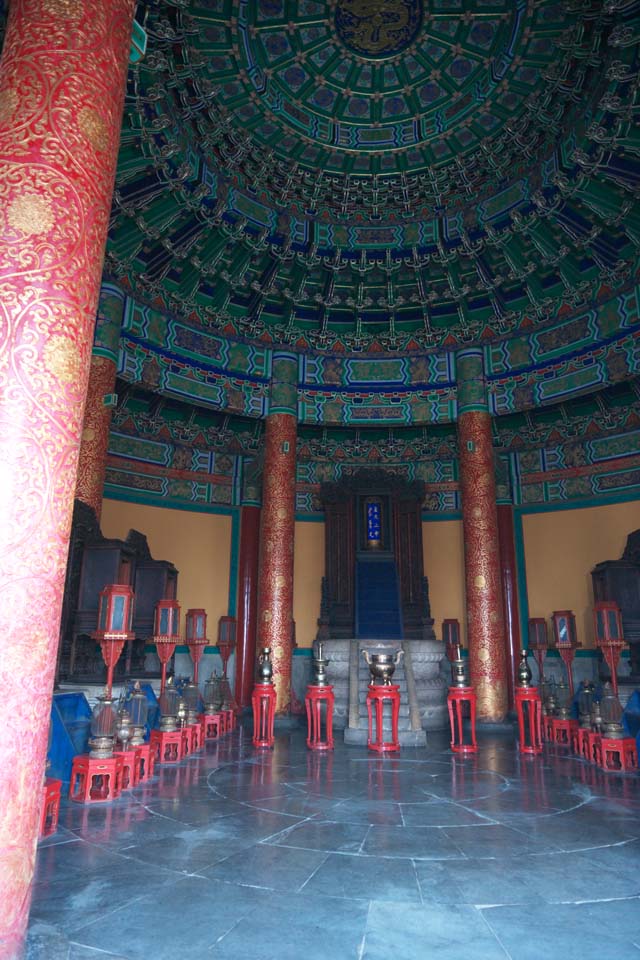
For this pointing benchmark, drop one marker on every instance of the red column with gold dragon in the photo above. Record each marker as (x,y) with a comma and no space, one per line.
(485,619)
(277,526)
(62,83)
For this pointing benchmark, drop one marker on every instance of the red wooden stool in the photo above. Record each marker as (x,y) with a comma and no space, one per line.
(314,699)
(195,730)
(582,743)
(562,731)
(145,762)
(529,709)
(617,754)
(455,699)
(186,741)
(50,807)
(263,701)
(166,745)
(129,768)
(211,723)
(377,695)
(547,728)
(230,720)
(593,739)
(95,781)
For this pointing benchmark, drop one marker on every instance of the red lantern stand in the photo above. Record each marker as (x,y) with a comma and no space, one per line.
(566,641)
(196,637)
(609,638)
(529,710)
(377,696)
(226,646)
(212,724)
(315,697)
(166,633)
(616,754)
(538,644)
(115,613)
(451,639)
(50,807)
(263,702)
(456,697)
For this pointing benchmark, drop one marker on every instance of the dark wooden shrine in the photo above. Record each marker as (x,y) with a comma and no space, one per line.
(345,504)
(619,580)
(95,561)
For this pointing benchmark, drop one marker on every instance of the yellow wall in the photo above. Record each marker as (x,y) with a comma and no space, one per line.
(561,549)
(198,544)
(443,550)
(307,577)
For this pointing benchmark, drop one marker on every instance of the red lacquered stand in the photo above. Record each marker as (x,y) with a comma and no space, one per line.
(316,696)
(95,781)
(129,768)
(593,739)
(617,754)
(529,709)
(377,696)
(50,807)
(166,745)
(562,731)
(230,720)
(145,762)
(263,701)
(195,732)
(456,697)
(211,725)
(581,743)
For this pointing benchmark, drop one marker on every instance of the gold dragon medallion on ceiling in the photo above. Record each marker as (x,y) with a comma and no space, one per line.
(378,28)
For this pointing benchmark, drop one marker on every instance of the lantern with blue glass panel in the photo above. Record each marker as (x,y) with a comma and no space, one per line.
(565,640)
(115,616)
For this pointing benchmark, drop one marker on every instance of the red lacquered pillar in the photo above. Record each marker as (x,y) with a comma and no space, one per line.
(62,82)
(247,601)
(509,572)
(277,526)
(92,461)
(485,621)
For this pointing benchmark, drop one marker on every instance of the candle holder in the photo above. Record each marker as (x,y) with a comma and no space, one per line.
(565,640)
(538,643)
(115,614)
(166,633)
(608,629)
(196,637)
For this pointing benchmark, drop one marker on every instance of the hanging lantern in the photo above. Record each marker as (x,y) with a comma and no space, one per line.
(608,629)
(166,633)
(115,616)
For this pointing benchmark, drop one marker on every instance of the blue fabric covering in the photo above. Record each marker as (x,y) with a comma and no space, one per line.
(70,731)
(631,717)
(378,614)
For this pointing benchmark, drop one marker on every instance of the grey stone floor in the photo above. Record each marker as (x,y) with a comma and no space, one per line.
(285,854)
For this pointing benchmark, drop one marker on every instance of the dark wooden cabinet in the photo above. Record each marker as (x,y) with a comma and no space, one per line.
(619,580)
(95,561)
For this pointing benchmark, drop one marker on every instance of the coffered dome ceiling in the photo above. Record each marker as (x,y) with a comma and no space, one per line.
(366,175)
